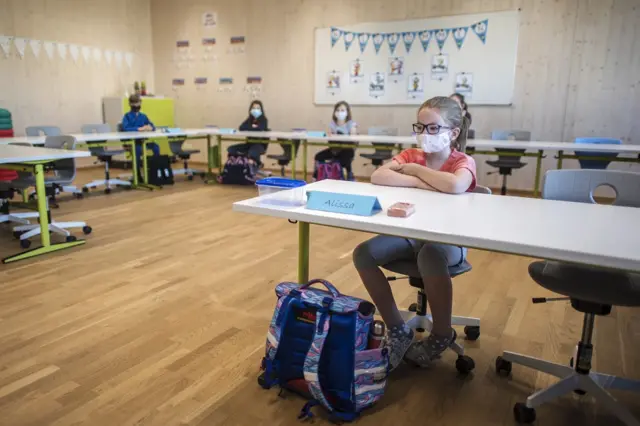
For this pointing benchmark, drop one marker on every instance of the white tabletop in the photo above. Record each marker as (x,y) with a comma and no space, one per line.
(525,226)
(11,154)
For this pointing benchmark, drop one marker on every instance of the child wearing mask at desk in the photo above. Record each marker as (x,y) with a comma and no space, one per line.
(136,121)
(440,165)
(255,122)
(341,124)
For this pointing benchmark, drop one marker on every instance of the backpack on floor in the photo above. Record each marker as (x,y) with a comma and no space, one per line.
(329,170)
(317,347)
(159,170)
(238,170)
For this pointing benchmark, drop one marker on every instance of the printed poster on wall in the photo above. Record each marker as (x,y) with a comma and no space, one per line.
(396,69)
(209,20)
(356,71)
(333,82)
(439,67)
(415,86)
(464,84)
(376,84)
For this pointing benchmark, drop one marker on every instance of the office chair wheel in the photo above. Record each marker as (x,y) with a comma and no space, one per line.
(503,367)
(472,332)
(523,414)
(107,190)
(78,195)
(413,307)
(465,364)
(86,230)
(25,244)
(85,189)
(190,177)
(70,238)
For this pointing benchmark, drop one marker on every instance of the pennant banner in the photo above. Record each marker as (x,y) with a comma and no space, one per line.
(128,58)
(348,38)
(62,50)
(108,56)
(441,37)
(21,45)
(118,59)
(481,29)
(86,53)
(363,39)
(459,34)
(392,40)
(425,38)
(407,39)
(35,47)
(378,39)
(5,45)
(97,54)
(74,51)
(335,36)
(49,48)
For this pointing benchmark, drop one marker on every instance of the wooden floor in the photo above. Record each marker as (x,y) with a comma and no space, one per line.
(160,319)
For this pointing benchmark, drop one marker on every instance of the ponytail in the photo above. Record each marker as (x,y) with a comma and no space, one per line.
(461,142)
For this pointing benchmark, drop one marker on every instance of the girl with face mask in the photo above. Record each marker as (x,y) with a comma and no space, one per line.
(438,165)
(341,124)
(255,122)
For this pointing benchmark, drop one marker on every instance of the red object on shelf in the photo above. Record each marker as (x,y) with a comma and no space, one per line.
(6,133)
(7,175)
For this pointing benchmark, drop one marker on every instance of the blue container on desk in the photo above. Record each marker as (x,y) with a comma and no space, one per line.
(597,164)
(282,191)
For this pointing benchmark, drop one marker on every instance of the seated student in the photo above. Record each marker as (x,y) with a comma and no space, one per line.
(136,121)
(255,122)
(459,98)
(440,165)
(341,124)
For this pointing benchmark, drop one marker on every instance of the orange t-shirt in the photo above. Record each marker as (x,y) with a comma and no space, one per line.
(456,161)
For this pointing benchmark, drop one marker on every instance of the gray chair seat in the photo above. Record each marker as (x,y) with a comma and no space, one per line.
(380,155)
(186,153)
(410,269)
(588,283)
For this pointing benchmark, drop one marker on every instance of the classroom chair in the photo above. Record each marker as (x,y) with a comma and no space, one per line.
(379,156)
(104,156)
(596,164)
(506,163)
(176,147)
(64,174)
(591,291)
(7,191)
(417,317)
(43,130)
(287,156)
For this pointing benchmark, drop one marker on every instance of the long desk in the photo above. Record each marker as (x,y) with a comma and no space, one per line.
(516,225)
(32,159)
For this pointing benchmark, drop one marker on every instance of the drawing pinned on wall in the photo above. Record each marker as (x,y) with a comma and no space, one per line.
(356,71)
(464,84)
(108,56)
(425,37)
(237,43)
(396,68)
(480,29)
(392,41)
(363,40)
(415,86)
(36,46)
(459,34)
(378,39)
(225,84)
(200,82)
(21,45)
(333,82)
(348,39)
(177,83)
(376,84)
(62,50)
(441,37)
(5,45)
(86,53)
(439,66)
(209,20)
(208,43)
(254,86)
(49,48)
(408,39)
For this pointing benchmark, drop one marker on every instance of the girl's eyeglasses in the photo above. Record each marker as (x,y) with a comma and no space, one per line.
(432,129)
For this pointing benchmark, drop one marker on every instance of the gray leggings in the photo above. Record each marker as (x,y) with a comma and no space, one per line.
(433,259)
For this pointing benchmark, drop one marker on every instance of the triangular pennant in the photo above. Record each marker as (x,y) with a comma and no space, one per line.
(118,59)
(459,34)
(86,53)
(108,56)
(407,39)
(335,35)
(425,38)
(97,54)
(74,51)
(480,29)
(62,50)
(5,45)
(21,45)
(441,37)
(392,41)
(363,39)
(35,47)
(348,38)
(128,58)
(49,48)
(378,39)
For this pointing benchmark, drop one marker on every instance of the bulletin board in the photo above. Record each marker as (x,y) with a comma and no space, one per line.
(407,62)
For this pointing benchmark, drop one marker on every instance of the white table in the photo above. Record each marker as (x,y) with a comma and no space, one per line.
(533,227)
(32,159)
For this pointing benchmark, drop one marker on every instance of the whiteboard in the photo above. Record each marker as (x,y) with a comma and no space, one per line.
(489,66)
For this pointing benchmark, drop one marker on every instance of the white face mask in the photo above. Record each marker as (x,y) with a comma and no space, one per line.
(256,112)
(341,115)
(433,143)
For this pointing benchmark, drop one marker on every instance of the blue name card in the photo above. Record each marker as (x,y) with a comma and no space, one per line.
(360,205)
(226,131)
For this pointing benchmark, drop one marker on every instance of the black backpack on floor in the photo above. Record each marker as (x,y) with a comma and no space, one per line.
(159,170)
(238,170)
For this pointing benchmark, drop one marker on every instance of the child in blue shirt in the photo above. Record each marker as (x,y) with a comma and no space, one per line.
(136,121)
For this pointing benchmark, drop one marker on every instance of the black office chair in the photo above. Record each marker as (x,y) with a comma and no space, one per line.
(286,157)
(506,163)
(178,152)
(379,156)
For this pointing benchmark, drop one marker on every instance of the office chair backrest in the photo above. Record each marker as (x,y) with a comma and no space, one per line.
(596,164)
(579,185)
(65,170)
(479,189)
(43,130)
(176,145)
(506,135)
(96,128)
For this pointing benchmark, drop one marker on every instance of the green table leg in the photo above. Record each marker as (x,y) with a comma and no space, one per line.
(45,238)
(220,153)
(145,172)
(304,159)
(303,252)
(536,189)
(134,164)
(559,166)
(209,156)
(293,159)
